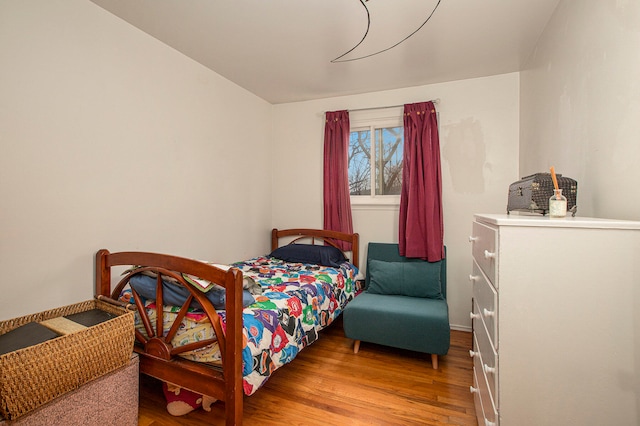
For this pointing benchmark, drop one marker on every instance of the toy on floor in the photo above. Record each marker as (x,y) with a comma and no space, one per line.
(182,401)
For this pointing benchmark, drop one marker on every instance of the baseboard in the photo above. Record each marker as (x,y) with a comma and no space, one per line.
(460,328)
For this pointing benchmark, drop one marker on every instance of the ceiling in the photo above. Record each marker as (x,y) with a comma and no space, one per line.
(282,50)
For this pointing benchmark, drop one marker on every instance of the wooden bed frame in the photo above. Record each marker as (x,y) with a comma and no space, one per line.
(158,358)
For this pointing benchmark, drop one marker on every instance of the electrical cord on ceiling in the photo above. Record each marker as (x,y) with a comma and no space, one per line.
(367,32)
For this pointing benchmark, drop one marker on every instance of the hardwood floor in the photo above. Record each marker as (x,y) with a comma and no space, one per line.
(328,384)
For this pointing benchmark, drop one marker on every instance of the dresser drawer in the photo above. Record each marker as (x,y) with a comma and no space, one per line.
(489,416)
(477,401)
(487,299)
(486,360)
(485,245)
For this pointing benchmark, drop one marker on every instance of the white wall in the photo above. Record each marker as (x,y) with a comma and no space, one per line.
(479,151)
(111,139)
(580,104)
(580,111)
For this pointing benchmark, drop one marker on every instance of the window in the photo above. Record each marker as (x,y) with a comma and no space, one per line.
(375,156)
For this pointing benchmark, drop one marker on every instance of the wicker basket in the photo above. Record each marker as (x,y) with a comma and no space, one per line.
(33,376)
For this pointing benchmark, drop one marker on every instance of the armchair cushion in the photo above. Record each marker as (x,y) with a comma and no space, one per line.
(413,279)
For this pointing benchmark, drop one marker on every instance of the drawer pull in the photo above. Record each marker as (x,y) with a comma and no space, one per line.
(473,354)
(474,316)
(473,390)
(488,313)
(489,255)
(472,239)
(473,278)
(487,369)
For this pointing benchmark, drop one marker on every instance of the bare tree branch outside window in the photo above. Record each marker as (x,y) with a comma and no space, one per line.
(359,163)
(388,153)
(389,146)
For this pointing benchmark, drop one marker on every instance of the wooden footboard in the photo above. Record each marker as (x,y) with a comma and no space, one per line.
(158,357)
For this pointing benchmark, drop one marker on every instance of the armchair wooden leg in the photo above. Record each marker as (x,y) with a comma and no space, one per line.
(434,361)
(356,346)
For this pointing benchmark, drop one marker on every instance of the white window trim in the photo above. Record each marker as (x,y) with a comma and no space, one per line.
(380,202)
(383,117)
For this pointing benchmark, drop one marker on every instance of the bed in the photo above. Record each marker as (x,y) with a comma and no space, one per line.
(247,340)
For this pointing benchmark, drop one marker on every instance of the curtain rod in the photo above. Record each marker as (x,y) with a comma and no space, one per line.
(435,101)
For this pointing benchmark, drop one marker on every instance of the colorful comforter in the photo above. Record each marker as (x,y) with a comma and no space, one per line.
(298,300)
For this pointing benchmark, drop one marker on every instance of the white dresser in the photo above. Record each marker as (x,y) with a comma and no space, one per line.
(556,321)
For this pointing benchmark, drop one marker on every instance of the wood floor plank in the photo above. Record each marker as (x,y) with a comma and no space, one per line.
(328,384)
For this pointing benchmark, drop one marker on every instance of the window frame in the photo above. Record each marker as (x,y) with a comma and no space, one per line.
(372,119)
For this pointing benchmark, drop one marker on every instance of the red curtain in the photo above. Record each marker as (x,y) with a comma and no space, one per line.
(421,228)
(337,204)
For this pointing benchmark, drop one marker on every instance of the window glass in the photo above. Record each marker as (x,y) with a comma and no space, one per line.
(388,160)
(359,162)
(383,162)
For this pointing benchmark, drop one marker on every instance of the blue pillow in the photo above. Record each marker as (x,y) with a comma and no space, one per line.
(176,295)
(309,253)
(414,279)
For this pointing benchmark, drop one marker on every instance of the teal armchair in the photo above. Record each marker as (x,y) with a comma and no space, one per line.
(404,304)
